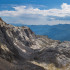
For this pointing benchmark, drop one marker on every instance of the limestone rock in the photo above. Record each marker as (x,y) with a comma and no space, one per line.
(19,46)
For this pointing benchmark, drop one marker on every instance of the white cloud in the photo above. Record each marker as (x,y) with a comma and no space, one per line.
(21,12)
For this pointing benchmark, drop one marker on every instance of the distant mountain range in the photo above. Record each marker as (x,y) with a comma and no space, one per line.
(56,32)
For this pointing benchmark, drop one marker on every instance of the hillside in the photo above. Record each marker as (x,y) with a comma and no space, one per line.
(21,49)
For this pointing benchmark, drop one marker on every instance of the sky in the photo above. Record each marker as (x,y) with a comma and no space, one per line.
(35,12)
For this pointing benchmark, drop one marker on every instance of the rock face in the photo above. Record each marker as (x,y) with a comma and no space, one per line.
(21,49)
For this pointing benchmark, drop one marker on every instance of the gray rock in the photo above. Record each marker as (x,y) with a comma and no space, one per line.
(20,43)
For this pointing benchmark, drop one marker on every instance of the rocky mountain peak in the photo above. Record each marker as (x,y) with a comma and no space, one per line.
(2,23)
(21,49)
(1,19)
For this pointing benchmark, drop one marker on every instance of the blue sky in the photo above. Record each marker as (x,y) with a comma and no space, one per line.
(35,12)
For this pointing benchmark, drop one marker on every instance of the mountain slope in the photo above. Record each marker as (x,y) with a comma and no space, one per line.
(21,49)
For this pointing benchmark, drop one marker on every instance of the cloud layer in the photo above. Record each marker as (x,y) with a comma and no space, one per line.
(27,15)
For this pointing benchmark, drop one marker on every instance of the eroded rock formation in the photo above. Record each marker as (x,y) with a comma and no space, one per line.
(21,49)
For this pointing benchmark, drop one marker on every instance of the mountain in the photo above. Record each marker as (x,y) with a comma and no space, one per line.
(21,49)
(56,32)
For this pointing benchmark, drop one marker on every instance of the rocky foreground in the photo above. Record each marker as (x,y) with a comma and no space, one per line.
(21,49)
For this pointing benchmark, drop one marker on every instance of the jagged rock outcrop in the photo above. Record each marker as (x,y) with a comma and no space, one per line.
(18,39)
(21,49)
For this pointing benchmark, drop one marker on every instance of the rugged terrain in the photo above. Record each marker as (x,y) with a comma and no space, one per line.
(21,49)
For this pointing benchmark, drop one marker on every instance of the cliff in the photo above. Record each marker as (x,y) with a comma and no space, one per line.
(21,49)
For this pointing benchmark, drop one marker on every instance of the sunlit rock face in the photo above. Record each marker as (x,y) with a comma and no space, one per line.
(21,49)
(20,38)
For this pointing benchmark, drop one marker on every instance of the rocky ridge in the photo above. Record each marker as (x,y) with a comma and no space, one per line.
(21,49)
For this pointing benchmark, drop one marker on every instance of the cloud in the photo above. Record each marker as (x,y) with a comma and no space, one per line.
(20,10)
(31,15)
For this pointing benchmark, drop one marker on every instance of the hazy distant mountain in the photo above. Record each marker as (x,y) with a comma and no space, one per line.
(56,32)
